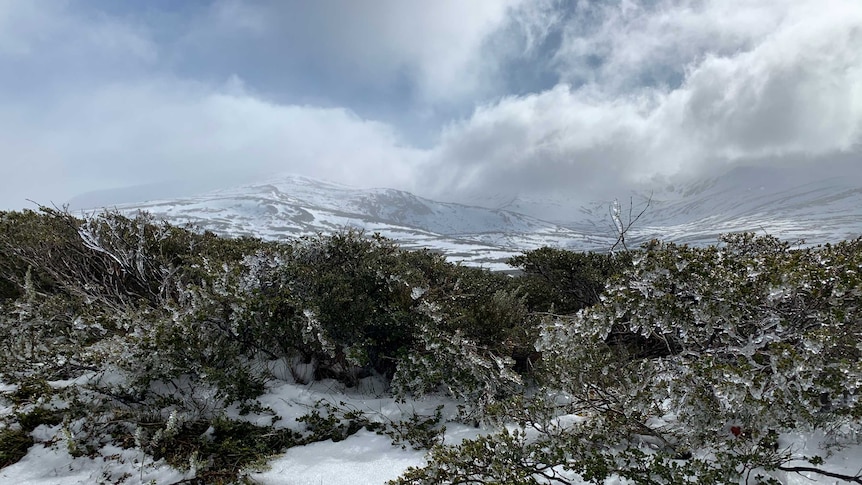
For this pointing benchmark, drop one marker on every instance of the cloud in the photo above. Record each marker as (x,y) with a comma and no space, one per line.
(759,83)
(48,52)
(544,98)
(145,133)
(437,48)
(553,141)
(798,91)
(53,34)
(94,106)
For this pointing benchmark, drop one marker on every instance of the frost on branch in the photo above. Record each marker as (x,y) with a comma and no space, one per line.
(760,336)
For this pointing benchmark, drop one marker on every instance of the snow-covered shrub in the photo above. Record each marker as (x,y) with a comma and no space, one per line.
(691,368)
(753,338)
(96,300)
(564,282)
(756,333)
(14,444)
(342,301)
(457,366)
(146,320)
(355,306)
(464,348)
(488,309)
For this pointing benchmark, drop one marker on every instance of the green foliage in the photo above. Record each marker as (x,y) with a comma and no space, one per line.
(758,339)
(332,425)
(420,432)
(13,445)
(635,365)
(38,416)
(500,458)
(771,334)
(184,320)
(327,421)
(8,289)
(220,450)
(30,390)
(457,366)
(343,301)
(84,283)
(476,326)
(354,306)
(564,282)
(30,398)
(512,457)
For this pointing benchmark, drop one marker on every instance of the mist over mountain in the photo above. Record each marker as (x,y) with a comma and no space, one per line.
(128,195)
(792,204)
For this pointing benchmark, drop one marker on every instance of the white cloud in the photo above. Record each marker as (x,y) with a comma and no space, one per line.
(437,45)
(536,20)
(136,134)
(553,141)
(782,83)
(625,45)
(56,32)
(91,111)
(645,90)
(240,132)
(799,91)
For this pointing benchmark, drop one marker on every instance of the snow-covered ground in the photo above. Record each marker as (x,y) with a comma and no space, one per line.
(363,458)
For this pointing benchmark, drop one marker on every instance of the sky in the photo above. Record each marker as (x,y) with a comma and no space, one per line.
(449,99)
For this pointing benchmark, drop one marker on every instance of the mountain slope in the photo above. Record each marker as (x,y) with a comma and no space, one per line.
(786,204)
(293,206)
(791,204)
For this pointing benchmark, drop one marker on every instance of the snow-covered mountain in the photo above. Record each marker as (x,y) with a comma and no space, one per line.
(790,206)
(292,206)
(792,203)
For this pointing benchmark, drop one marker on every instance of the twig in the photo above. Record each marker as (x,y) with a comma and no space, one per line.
(800,469)
(623,228)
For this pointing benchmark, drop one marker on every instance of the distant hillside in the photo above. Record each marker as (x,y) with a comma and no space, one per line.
(786,204)
(792,204)
(292,206)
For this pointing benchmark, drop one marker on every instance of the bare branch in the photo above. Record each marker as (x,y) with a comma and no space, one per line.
(820,471)
(622,227)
